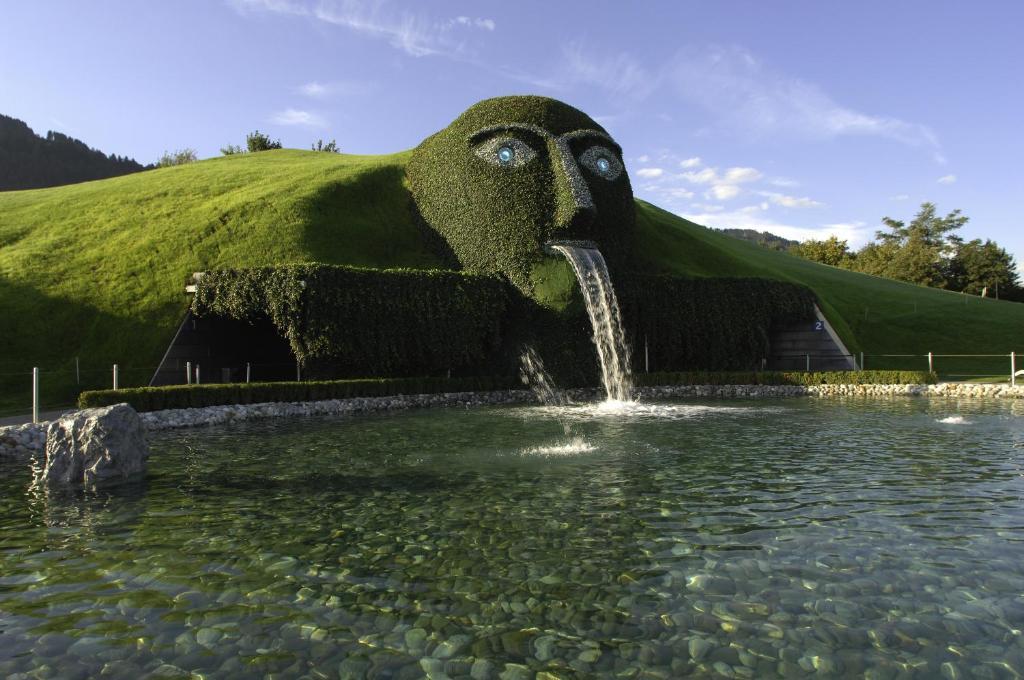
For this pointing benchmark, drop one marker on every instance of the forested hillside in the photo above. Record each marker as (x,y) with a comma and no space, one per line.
(28,161)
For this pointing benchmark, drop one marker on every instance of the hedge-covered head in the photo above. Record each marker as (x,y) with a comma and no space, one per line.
(513,173)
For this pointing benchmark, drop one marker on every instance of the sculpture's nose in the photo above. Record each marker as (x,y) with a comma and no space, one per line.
(574,206)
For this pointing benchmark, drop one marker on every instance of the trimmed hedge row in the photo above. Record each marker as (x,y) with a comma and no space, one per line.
(347,321)
(786,378)
(197,396)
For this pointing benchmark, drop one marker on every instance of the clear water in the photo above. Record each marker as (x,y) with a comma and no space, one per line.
(715,539)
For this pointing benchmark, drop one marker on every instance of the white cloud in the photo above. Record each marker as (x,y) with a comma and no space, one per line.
(744,95)
(947,179)
(750,97)
(784,182)
(789,201)
(643,159)
(414,34)
(723,192)
(690,162)
(650,173)
(297,117)
(678,193)
(313,89)
(738,175)
(705,176)
(485,24)
(619,74)
(318,90)
(900,197)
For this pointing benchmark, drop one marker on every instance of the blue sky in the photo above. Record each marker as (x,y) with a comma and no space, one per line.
(801,118)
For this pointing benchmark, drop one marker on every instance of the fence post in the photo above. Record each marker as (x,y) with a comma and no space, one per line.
(35,395)
(862,361)
(198,382)
(647,358)
(808,362)
(931,363)
(78,375)
(298,371)
(1013,369)
(248,371)
(188,372)
(117,375)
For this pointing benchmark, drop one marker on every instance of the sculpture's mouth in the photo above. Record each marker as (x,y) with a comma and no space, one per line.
(549,246)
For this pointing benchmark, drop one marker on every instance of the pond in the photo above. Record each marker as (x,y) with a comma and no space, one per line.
(714,539)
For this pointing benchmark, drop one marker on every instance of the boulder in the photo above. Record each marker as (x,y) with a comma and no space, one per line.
(96,446)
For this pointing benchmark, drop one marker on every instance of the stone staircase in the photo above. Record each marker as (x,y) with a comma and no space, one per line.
(791,345)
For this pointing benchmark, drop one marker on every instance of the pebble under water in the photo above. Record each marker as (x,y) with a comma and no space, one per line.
(790,538)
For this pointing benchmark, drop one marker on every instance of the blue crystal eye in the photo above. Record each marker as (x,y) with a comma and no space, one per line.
(603,162)
(505,152)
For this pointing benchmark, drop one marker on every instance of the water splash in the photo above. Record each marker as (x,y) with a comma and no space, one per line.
(533,375)
(605,318)
(574,447)
(953,420)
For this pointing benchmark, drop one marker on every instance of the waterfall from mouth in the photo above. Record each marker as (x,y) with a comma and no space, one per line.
(605,318)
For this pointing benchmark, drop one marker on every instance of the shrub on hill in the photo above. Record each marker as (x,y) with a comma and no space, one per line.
(257,141)
(179,157)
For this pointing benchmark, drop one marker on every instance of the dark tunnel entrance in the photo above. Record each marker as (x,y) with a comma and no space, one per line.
(225,350)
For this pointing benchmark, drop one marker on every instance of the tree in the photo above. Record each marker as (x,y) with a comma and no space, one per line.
(979,265)
(330,147)
(831,251)
(257,141)
(231,150)
(179,157)
(918,252)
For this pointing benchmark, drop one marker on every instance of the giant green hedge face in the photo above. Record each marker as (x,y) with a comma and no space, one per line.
(513,173)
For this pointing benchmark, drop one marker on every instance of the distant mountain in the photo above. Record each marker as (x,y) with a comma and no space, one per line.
(761,238)
(28,161)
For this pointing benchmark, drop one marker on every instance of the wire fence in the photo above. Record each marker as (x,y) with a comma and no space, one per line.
(949,367)
(51,388)
(31,392)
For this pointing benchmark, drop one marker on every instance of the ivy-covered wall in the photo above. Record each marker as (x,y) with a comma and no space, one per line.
(357,323)
(352,322)
(707,324)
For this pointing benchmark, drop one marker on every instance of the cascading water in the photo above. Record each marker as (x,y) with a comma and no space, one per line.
(605,318)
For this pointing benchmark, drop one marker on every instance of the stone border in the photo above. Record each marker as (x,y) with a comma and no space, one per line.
(29,440)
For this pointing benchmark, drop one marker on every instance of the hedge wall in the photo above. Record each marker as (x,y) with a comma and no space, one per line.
(711,324)
(345,322)
(352,322)
(196,396)
(786,378)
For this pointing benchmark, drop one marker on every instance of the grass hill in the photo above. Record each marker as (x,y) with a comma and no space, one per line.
(97,270)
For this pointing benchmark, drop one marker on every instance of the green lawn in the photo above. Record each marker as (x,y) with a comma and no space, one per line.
(97,270)
(872,315)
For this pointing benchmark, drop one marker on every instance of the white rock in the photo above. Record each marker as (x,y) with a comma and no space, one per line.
(96,446)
